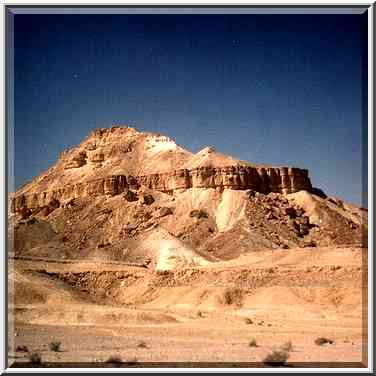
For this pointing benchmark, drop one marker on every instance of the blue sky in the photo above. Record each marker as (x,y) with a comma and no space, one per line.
(275,89)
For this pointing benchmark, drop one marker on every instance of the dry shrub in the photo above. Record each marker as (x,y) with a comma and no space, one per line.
(35,358)
(22,348)
(277,358)
(114,359)
(233,296)
(323,341)
(55,345)
(142,345)
(252,343)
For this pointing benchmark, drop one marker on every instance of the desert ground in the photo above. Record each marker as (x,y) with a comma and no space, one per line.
(189,317)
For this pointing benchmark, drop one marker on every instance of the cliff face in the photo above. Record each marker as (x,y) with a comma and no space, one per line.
(282,180)
(264,180)
(111,160)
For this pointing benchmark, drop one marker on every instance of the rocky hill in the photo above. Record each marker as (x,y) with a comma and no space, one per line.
(139,197)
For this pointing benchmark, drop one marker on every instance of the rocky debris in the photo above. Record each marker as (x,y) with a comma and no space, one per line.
(301,225)
(146,199)
(353,225)
(277,220)
(50,207)
(291,212)
(25,213)
(129,230)
(69,204)
(103,245)
(198,214)
(164,211)
(331,222)
(309,244)
(130,196)
(99,284)
(140,221)
(54,203)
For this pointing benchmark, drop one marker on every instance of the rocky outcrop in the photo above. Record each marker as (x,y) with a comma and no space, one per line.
(96,159)
(265,180)
(77,161)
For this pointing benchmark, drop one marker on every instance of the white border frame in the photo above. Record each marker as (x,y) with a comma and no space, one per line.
(152,3)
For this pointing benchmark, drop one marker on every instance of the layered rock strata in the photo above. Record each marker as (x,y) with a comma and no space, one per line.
(274,179)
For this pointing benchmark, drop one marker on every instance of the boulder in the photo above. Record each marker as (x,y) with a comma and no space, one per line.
(130,196)
(198,214)
(25,213)
(163,212)
(290,212)
(146,199)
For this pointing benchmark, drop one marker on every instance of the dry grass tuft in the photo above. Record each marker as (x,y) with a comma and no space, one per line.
(252,343)
(55,345)
(114,359)
(142,345)
(22,348)
(233,296)
(35,358)
(277,358)
(323,341)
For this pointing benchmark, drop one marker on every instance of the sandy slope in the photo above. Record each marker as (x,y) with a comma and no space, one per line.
(194,314)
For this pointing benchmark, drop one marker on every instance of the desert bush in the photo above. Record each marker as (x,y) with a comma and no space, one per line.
(35,358)
(115,359)
(248,321)
(55,345)
(232,296)
(287,346)
(277,358)
(142,345)
(22,348)
(252,343)
(200,314)
(323,341)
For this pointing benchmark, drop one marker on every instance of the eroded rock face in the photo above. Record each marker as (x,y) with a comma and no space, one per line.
(130,196)
(265,180)
(96,159)
(146,199)
(77,161)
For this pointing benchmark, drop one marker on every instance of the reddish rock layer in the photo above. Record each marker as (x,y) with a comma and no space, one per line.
(280,179)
